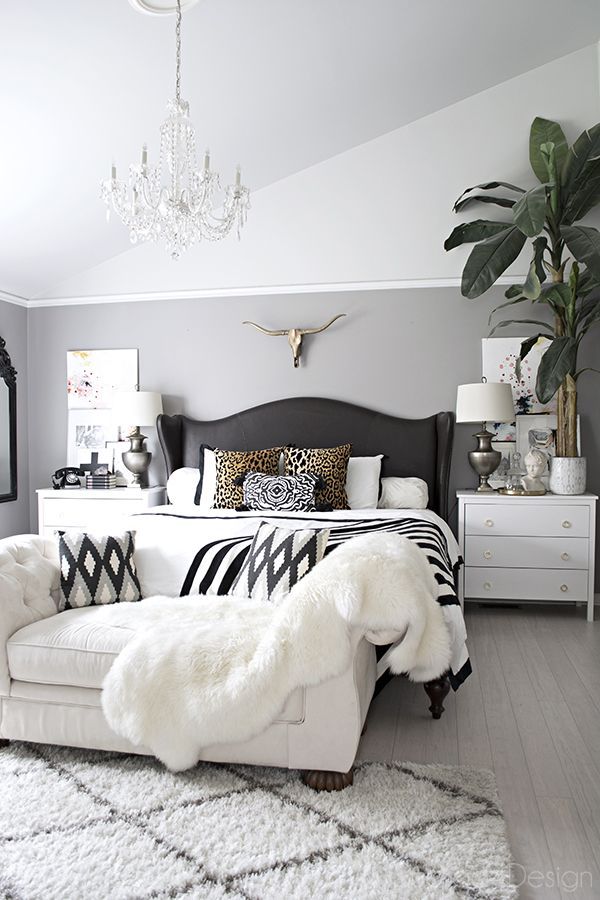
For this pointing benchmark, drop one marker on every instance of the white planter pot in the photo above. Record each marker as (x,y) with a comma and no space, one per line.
(568,474)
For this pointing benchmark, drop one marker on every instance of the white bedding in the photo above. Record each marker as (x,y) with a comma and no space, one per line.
(180,551)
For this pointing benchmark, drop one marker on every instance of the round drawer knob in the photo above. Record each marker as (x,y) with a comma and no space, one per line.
(566,524)
(489,523)
(487,554)
(565,556)
(487,585)
(564,588)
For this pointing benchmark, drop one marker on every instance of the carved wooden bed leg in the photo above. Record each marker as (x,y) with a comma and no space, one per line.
(437,691)
(328,781)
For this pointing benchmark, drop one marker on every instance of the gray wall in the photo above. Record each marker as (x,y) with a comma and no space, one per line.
(14,515)
(400,351)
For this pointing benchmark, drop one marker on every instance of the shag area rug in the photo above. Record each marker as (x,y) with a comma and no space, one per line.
(81,824)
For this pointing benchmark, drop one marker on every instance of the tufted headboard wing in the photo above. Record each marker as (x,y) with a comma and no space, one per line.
(415,447)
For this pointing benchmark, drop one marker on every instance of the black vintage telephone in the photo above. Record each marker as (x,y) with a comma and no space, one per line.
(66,478)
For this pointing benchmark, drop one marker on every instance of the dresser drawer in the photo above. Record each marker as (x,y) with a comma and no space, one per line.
(80,513)
(527,552)
(526,584)
(531,519)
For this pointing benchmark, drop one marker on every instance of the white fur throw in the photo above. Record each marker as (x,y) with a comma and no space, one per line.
(209,670)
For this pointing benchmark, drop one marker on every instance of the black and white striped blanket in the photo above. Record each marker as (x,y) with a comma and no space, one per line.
(183,552)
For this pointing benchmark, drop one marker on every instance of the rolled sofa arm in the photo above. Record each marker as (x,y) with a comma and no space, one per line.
(29,582)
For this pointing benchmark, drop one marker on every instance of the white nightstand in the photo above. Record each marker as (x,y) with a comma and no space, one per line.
(527,548)
(92,509)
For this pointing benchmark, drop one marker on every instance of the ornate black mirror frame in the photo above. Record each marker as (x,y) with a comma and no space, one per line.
(9,375)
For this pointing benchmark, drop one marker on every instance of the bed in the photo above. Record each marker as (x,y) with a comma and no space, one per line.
(205,547)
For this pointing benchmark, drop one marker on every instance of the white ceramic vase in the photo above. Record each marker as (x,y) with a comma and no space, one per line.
(568,474)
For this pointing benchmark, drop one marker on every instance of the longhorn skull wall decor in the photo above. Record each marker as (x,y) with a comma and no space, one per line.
(295,335)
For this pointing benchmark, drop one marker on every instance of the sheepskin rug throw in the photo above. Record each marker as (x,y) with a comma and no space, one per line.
(77,825)
(206,670)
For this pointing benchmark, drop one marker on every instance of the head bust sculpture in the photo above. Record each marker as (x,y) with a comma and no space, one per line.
(535,464)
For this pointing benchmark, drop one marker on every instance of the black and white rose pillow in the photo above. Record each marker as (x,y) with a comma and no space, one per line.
(290,493)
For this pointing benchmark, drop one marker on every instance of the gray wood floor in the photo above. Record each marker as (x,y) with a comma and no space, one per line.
(531,713)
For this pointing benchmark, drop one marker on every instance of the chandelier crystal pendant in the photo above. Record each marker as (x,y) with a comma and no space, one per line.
(174,201)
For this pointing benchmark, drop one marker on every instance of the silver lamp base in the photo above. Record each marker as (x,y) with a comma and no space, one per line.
(137,458)
(484,459)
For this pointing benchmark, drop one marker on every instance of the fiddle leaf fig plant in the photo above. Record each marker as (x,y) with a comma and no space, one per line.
(564,273)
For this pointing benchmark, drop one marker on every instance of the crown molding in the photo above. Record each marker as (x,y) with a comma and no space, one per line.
(15,299)
(258,290)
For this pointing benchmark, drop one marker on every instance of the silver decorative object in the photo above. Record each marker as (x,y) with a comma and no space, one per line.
(142,407)
(482,402)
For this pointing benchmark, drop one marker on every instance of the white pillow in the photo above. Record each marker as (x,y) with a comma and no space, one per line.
(209,480)
(362,481)
(403,493)
(181,486)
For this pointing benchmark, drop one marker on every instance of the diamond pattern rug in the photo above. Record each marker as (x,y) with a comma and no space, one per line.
(84,824)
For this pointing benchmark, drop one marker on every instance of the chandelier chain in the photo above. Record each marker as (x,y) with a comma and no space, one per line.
(178,53)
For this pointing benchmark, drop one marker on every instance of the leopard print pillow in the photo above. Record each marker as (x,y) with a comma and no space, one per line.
(331,463)
(231,464)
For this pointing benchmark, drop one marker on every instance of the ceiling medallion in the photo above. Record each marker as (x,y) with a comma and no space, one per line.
(160,7)
(175,201)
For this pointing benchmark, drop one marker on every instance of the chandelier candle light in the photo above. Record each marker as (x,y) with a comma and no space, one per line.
(174,201)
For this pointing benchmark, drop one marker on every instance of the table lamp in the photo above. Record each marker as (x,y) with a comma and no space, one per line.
(484,402)
(141,408)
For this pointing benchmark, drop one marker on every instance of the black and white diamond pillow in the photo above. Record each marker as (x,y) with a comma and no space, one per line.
(96,569)
(293,493)
(277,560)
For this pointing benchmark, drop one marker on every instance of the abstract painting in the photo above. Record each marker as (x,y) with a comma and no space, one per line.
(93,376)
(499,357)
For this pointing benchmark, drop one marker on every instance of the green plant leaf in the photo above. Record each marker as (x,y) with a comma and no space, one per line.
(587,282)
(529,212)
(584,244)
(519,299)
(590,319)
(513,291)
(544,131)
(584,193)
(528,345)
(559,360)
(507,322)
(489,259)
(585,150)
(532,287)
(484,198)
(469,232)
(490,186)
(556,295)
(539,248)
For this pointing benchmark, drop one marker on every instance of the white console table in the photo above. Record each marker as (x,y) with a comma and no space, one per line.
(527,548)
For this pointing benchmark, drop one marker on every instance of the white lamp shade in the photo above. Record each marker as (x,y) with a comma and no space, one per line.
(136,407)
(489,401)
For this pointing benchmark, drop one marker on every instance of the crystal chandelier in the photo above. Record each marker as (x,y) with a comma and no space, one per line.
(175,201)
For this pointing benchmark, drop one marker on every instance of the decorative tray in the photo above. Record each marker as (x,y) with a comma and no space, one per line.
(520,492)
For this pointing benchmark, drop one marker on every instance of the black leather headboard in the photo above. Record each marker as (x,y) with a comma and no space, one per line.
(417,447)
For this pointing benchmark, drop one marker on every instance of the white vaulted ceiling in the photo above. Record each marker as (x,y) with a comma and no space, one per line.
(278,85)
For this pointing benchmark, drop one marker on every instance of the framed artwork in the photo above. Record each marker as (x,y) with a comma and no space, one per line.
(499,363)
(93,376)
(540,432)
(498,478)
(89,435)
